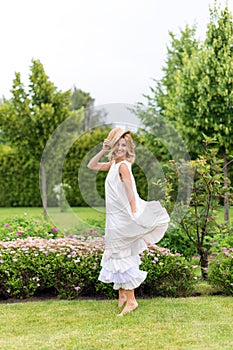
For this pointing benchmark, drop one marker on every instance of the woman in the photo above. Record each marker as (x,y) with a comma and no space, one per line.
(131,222)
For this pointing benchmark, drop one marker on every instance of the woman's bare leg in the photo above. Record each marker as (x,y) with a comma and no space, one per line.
(122,297)
(131,303)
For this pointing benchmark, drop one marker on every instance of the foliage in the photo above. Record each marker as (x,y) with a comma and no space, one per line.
(36,113)
(168,274)
(87,186)
(18,180)
(177,241)
(29,118)
(224,237)
(158,102)
(98,224)
(19,175)
(72,265)
(20,227)
(221,271)
(195,93)
(91,117)
(199,222)
(80,99)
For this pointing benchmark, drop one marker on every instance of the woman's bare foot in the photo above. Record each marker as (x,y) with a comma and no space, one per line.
(122,297)
(130,306)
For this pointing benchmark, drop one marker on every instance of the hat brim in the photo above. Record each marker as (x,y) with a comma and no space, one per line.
(118,136)
(115,135)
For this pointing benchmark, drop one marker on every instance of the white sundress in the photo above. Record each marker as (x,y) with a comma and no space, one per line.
(127,234)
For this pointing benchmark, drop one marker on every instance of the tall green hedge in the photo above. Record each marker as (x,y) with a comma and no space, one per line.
(19,176)
(19,181)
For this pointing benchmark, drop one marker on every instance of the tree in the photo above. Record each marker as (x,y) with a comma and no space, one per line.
(156,110)
(157,103)
(199,224)
(81,99)
(29,118)
(198,96)
(204,99)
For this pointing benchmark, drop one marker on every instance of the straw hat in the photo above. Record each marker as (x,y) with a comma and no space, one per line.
(115,135)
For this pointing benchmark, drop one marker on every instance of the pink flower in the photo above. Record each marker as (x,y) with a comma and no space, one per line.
(6,225)
(54,229)
(19,233)
(77,288)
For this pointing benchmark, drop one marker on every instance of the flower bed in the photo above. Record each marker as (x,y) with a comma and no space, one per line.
(71,267)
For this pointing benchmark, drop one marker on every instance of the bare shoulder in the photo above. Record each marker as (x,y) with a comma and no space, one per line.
(124,171)
(123,167)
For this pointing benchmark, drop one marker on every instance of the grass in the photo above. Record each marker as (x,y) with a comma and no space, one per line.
(201,323)
(83,212)
(220,214)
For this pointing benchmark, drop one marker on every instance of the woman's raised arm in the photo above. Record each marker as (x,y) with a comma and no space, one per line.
(94,163)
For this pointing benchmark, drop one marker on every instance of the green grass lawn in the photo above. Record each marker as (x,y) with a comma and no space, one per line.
(220,214)
(82,212)
(200,323)
(77,217)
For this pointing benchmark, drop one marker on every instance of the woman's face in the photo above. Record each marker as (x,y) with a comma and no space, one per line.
(120,149)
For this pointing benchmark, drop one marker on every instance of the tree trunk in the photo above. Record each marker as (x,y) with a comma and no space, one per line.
(226,195)
(43,186)
(204,263)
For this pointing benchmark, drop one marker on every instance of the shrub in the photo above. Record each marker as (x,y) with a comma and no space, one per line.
(221,271)
(72,265)
(224,238)
(168,274)
(205,177)
(178,242)
(24,226)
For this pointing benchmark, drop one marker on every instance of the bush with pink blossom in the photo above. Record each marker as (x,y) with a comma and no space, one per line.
(169,274)
(70,266)
(220,271)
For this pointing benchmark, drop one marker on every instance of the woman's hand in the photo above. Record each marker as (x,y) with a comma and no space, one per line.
(106,144)
(94,163)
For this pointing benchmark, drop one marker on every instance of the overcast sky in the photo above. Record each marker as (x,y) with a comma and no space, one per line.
(109,48)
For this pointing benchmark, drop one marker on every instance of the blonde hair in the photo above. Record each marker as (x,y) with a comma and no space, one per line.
(130,154)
